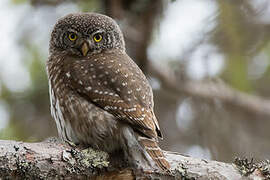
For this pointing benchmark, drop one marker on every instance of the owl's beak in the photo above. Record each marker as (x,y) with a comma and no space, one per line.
(84,48)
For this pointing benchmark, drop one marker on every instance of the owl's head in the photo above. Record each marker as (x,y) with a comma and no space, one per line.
(83,34)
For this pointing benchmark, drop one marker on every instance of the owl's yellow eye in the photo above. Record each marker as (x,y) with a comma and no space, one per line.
(72,36)
(97,37)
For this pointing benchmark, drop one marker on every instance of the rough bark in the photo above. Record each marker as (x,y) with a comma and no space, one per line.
(54,159)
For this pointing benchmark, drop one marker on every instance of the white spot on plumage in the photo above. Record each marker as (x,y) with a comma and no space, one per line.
(96,91)
(129,92)
(113,80)
(89,88)
(80,82)
(118,89)
(68,74)
(105,82)
(106,72)
(94,76)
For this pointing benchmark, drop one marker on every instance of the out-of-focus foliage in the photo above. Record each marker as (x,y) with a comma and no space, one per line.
(233,42)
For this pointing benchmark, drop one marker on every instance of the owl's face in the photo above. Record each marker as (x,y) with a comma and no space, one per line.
(84,34)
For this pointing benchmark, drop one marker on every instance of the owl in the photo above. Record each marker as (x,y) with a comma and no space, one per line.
(99,96)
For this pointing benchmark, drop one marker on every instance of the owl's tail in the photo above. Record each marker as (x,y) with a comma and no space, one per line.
(155,152)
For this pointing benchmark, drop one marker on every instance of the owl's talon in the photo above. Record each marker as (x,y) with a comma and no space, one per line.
(72,144)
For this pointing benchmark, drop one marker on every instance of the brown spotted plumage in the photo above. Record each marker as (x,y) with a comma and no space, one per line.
(99,96)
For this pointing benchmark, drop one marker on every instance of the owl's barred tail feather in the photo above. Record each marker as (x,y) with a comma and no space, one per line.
(155,152)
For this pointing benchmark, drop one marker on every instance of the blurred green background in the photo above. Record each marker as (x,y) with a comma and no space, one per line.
(197,40)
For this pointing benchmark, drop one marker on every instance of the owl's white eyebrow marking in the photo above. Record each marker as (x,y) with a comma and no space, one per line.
(68,74)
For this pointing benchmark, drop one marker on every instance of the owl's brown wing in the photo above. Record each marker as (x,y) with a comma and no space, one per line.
(115,83)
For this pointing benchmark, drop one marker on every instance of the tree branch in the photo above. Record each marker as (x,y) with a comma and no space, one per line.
(54,159)
(210,90)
